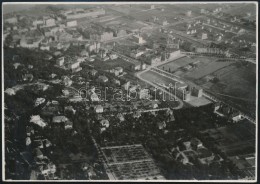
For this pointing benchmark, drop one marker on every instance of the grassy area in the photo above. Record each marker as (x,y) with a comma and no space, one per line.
(236,85)
(240,86)
(242,10)
(157,78)
(176,64)
(206,69)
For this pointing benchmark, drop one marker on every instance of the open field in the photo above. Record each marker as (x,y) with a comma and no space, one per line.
(144,13)
(206,69)
(124,22)
(236,83)
(176,64)
(237,86)
(241,10)
(179,63)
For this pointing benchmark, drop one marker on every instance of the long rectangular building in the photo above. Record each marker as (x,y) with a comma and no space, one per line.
(80,13)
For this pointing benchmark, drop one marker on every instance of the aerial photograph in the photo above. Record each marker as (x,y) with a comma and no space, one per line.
(152,91)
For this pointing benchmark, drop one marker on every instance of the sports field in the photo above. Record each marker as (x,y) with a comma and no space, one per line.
(157,78)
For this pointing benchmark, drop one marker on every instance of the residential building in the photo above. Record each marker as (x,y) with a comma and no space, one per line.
(189,13)
(51,31)
(161,125)
(120,33)
(94,97)
(63,36)
(102,78)
(144,94)
(116,81)
(84,53)
(36,119)
(60,61)
(113,56)
(59,119)
(183,94)
(48,22)
(217,106)
(102,36)
(137,53)
(72,23)
(67,81)
(143,66)
(236,116)
(28,77)
(38,153)
(93,72)
(44,47)
(39,101)
(205,156)
(164,22)
(31,42)
(37,22)
(74,66)
(138,39)
(172,53)
(126,85)
(104,123)
(116,72)
(68,125)
(209,50)
(10,91)
(153,59)
(119,69)
(93,47)
(135,66)
(198,92)
(99,109)
(204,36)
(11,20)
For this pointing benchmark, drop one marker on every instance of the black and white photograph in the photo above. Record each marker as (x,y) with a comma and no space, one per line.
(130,91)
